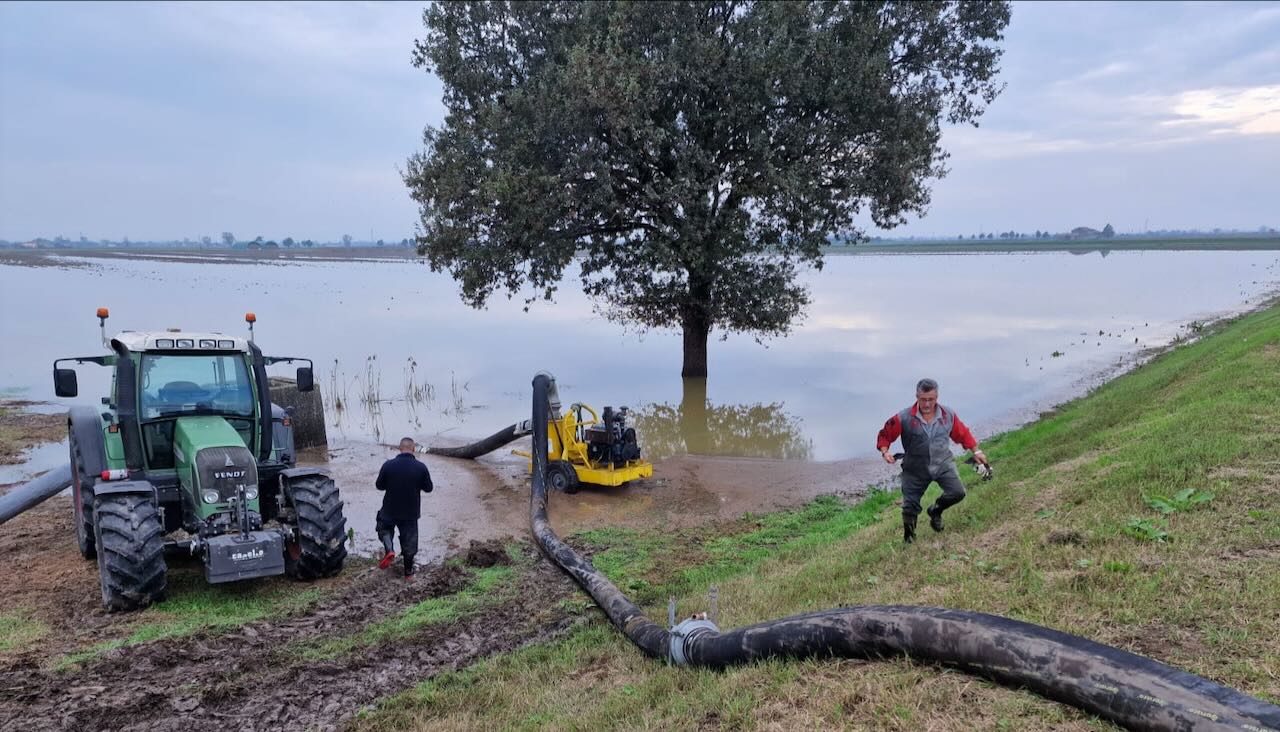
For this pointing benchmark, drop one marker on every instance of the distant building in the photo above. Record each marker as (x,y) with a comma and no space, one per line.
(1084,232)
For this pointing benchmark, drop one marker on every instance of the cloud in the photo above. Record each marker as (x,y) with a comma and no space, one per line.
(1251,111)
(1115,68)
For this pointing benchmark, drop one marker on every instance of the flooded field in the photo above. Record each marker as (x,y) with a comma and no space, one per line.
(397,354)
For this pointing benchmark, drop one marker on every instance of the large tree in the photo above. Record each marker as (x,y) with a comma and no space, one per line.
(691,157)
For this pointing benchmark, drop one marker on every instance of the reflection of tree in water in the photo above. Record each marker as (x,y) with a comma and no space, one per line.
(741,430)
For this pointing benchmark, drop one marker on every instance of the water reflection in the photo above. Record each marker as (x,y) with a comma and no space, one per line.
(987,327)
(698,427)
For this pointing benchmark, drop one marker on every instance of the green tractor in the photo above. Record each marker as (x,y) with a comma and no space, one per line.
(189,456)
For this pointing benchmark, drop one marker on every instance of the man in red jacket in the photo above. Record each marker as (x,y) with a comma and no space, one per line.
(927,430)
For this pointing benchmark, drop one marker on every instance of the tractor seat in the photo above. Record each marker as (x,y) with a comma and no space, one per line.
(179,391)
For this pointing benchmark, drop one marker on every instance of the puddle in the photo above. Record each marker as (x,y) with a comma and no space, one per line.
(488,498)
(35,460)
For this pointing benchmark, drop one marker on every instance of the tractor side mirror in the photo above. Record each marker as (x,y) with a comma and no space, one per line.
(306,382)
(64,383)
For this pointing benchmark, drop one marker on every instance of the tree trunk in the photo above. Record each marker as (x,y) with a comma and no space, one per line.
(693,417)
(696,330)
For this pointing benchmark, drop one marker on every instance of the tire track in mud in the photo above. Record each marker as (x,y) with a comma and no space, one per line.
(244,679)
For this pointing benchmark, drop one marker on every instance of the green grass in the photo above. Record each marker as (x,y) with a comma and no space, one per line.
(17,632)
(1203,243)
(1048,541)
(194,606)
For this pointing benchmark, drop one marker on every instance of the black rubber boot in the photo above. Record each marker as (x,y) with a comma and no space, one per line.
(908,529)
(935,517)
(408,567)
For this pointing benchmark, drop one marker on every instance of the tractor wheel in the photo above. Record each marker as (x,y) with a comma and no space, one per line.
(84,524)
(319,548)
(562,477)
(130,540)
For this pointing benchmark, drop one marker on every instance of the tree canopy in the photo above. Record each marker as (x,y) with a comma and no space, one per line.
(690,157)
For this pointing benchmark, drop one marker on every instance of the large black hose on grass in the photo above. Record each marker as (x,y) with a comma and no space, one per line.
(484,446)
(29,494)
(1130,690)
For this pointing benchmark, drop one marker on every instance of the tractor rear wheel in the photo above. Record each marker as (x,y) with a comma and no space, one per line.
(130,541)
(562,477)
(318,548)
(84,524)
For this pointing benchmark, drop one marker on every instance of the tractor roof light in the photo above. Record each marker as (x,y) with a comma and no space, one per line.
(250,318)
(103,314)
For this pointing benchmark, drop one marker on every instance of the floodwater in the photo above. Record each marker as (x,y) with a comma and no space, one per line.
(397,353)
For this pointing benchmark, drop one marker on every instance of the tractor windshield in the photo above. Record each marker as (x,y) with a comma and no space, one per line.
(173,385)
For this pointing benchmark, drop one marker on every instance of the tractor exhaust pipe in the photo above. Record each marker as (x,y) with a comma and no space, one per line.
(1135,692)
(33,492)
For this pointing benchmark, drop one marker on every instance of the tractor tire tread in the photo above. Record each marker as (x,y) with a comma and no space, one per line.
(321,528)
(85,541)
(130,542)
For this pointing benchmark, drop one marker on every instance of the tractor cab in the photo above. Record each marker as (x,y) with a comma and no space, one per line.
(189,426)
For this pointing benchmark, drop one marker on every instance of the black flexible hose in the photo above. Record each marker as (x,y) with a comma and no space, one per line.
(33,492)
(1132,691)
(484,446)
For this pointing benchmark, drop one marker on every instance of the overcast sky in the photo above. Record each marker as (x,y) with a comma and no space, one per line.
(158,121)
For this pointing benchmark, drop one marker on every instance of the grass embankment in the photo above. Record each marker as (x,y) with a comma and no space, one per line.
(1079,246)
(1146,516)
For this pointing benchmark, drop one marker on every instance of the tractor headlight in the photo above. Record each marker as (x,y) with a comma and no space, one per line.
(251,493)
(210,496)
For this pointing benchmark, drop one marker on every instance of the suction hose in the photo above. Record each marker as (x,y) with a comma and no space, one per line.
(1130,690)
(29,494)
(484,446)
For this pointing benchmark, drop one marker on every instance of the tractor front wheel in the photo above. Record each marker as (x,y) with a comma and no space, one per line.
(318,548)
(562,477)
(130,541)
(84,524)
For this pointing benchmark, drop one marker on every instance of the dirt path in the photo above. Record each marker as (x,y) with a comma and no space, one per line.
(250,678)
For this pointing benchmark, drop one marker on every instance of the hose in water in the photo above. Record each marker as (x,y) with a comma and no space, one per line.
(33,492)
(484,446)
(1130,690)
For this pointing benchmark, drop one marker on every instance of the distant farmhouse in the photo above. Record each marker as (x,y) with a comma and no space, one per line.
(1084,232)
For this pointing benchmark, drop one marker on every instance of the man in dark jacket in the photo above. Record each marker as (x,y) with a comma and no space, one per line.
(401,477)
(927,430)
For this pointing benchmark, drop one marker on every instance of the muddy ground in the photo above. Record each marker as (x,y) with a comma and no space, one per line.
(21,430)
(250,677)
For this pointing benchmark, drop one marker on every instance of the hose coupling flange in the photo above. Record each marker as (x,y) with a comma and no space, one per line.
(685,632)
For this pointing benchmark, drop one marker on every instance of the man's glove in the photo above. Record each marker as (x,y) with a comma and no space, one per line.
(984,469)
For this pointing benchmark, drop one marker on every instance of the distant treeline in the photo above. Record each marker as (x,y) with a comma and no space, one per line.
(226,241)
